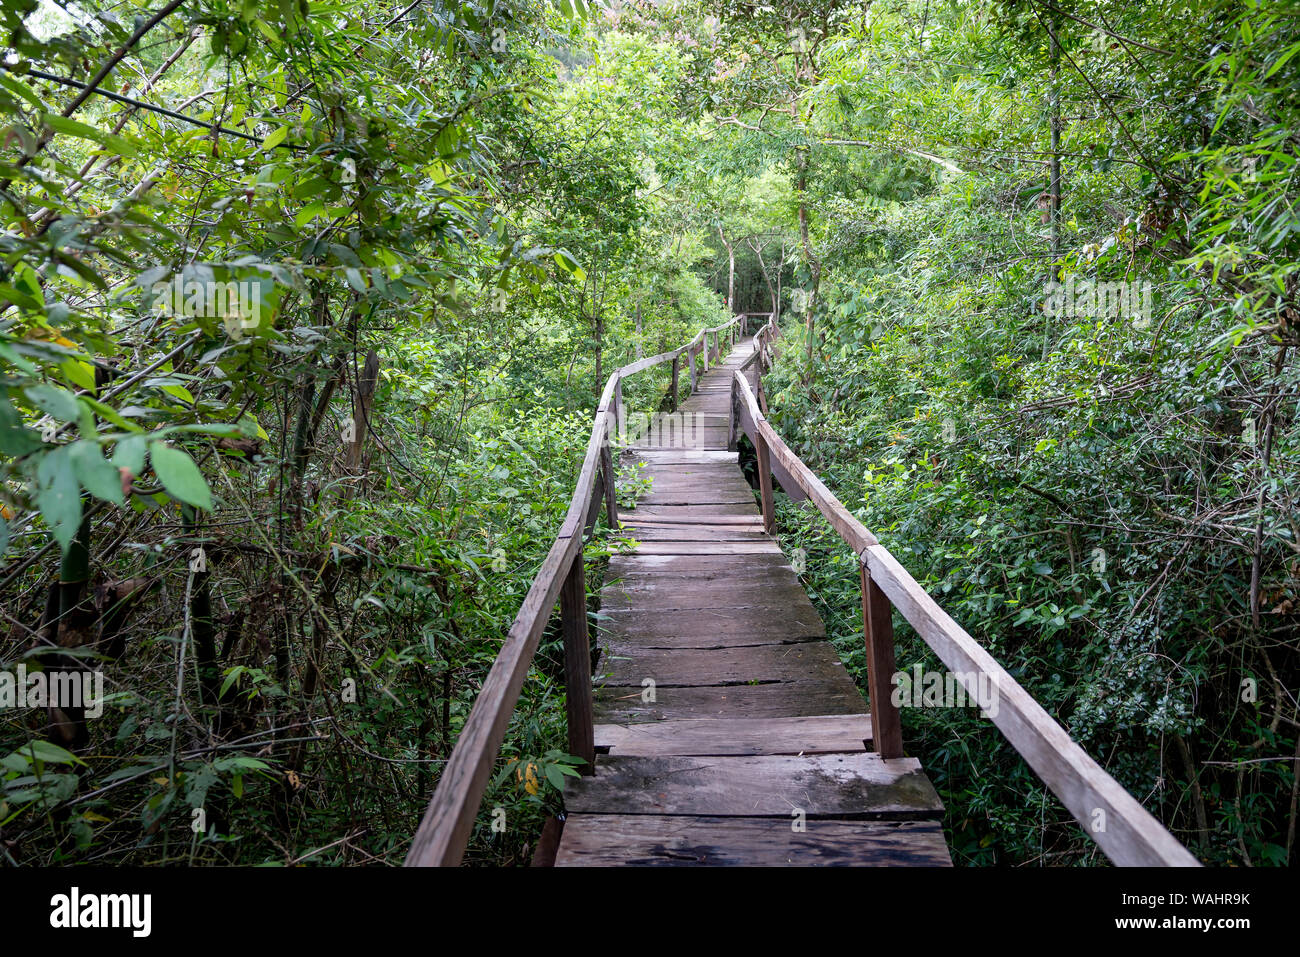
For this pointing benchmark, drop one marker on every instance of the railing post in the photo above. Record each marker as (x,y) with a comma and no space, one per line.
(765,483)
(618,411)
(704,351)
(733,409)
(611,493)
(672,405)
(690,361)
(878,629)
(577,664)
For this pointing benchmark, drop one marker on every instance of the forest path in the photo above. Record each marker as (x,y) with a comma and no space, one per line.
(728,731)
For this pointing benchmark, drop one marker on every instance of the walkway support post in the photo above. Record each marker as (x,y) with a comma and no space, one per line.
(611,493)
(672,390)
(765,484)
(577,666)
(733,443)
(878,629)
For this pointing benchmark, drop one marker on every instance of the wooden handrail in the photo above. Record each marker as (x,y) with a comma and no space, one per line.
(448,822)
(1125,831)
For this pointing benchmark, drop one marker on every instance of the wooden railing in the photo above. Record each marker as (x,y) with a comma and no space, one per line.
(1121,826)
(449,820)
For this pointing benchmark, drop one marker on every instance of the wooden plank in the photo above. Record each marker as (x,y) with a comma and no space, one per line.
(695,476)
(749,579)
(626,665)
(746,528)
(811,734)
(682,545)
(782,700)
(683,456)
(1132,836)
(707,604)
(634,563)
(855,786)
(735,513)
(663,480)
(707,471)
(657,840)
(687,495)
(740,626)
(765,570)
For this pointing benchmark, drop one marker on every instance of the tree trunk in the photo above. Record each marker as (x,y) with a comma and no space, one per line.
(1054,184)
(637,344)
(731,270)
(767,279)
(814,265)
(365,397)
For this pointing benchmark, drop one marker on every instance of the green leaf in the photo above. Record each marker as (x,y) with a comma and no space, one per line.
(59,403)
(58,495)
(61,124)
(50,753)
(129,453)
(307,215)
(15,438)
(555,776)
(275,138)
(80,374)
(95,474)
(179,475)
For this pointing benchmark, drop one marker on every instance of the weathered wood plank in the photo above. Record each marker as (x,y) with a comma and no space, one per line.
(694,495)
(781,700)
(742,627)
(715,545)
(860,785)
(658,840)
(682,456)
(811,734)
(684,532)
(738,513)
(737,576)
(628,665)
(708,605)
(707,566)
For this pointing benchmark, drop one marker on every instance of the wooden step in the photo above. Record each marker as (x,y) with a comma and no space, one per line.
(645,840)
(858,785)
(780,700)
(627,664)
(812,734)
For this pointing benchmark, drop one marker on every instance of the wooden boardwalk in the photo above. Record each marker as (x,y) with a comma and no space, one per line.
(722,728)
(727,730)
